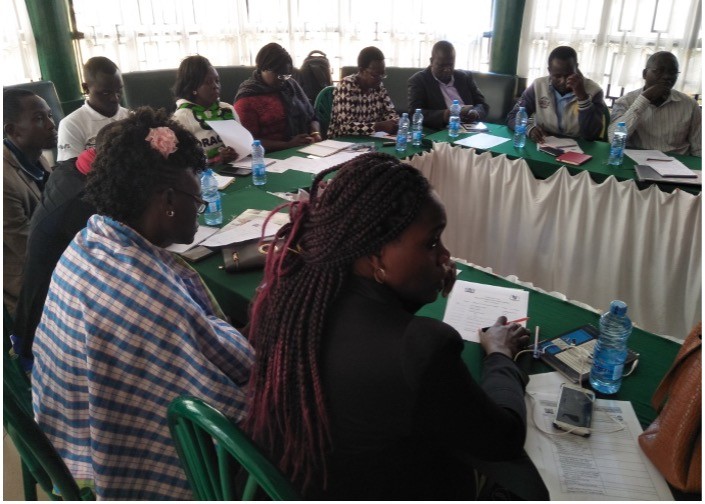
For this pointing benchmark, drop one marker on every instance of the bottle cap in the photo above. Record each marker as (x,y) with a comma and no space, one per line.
(256,142)
(621,124)
(618,307)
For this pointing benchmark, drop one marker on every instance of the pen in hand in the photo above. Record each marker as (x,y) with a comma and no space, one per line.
(509,322)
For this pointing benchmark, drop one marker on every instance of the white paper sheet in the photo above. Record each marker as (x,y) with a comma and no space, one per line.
(481,141)
(604,466)
(566,144)
(233,134)
(664,165)
(246,162)
(223,181)
(246,226)
(476,127)
(472,306)
(326,148)
(202,233)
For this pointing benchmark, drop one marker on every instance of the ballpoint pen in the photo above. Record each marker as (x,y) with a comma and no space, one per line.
(524,319)
(659,159)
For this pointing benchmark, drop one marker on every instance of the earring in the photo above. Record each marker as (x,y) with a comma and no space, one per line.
(170,213)
(195,93)
(380,275)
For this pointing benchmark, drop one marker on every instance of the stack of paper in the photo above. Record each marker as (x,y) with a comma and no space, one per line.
(247,226)
(565,144)
(665,166)
(203,233)
(481,141)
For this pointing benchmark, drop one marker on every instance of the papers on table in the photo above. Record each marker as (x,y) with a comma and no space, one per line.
(384,135)
(202,233)
(246,162)
(565,144)
(664,165)
(481,141)
(223,181)
(233,134)
(247,226)
(604,466)
(313,166)
(472,306)
(325,148)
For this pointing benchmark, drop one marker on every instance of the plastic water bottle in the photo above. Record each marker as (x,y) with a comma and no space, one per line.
(259,169)
(454,121)
(403,132)
(521,122)
(209,192)
(610,351)
(417,128)
(619,140)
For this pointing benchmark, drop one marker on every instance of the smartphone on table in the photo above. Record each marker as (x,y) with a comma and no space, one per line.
(574,412)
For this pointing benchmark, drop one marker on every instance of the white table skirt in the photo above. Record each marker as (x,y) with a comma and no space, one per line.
(593,242)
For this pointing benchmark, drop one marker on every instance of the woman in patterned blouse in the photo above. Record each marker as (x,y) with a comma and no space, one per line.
(361,103)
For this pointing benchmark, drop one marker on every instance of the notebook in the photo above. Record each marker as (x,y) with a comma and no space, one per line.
(645,173)
(574,158)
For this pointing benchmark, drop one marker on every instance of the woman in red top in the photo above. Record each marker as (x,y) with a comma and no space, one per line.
(272,106)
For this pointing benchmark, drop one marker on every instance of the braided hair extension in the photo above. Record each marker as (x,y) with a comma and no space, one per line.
(370,202)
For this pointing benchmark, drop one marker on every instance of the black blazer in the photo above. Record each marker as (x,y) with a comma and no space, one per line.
(59,216)
(425,94)
(401,403)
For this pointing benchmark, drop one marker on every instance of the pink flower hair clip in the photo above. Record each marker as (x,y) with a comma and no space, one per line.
(163,140)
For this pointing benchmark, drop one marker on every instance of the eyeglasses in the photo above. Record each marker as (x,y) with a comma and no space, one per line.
(281,77)
(376,76)
(662,71)
(202,204)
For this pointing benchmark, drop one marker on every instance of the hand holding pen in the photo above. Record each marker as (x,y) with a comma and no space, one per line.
(504,337)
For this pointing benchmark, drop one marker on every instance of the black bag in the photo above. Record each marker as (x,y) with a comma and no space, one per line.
(314,74)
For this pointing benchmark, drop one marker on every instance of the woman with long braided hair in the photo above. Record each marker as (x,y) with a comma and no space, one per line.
(353,395)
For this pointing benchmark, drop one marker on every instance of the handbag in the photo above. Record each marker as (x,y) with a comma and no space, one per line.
(673,441)
(244,256)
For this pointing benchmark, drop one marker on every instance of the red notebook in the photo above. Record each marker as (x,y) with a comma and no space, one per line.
(574,158)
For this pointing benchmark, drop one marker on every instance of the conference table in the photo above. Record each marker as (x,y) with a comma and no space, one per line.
(544,165)
(554,315)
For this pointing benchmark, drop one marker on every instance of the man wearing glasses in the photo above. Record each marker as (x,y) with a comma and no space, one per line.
(433,90)
(361,103)
(657,116)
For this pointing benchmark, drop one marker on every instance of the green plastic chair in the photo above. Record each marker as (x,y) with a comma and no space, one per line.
(324,107)
(36,451)
(212,448)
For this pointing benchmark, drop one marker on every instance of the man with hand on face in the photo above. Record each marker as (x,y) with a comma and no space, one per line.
(28,128)
(657,116)
(103,89)
(564,103)
(434,89)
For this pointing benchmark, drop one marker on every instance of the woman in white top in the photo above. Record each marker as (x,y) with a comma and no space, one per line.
(197,90)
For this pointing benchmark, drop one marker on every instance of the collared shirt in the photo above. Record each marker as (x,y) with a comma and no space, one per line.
(449,91)
(562,102)
(355,111)
(674,126)
(77,131)
(35,170)
(126,329)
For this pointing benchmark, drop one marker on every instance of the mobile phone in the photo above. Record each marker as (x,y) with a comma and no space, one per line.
(574,412)
(551,150)
(197,253)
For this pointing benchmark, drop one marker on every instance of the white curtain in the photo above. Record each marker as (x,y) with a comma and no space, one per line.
(152,34)
(19,51)
(592,242)
(614,38)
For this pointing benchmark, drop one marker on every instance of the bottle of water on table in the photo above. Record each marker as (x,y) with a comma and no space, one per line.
(259,169)
(210,194)
(619,140)
(454,120)
(403,132)
(417,128)
(610,351)
(521,123)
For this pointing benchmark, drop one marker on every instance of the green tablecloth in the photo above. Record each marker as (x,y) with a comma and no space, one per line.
(234,292)
(544,165)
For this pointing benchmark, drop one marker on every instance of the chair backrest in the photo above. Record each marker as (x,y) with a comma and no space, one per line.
(323,107)
(36,451)
(499,91)
(230,79)
(149,87)
(211,449)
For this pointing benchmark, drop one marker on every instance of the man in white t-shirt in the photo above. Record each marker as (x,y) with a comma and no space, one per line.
(103,89)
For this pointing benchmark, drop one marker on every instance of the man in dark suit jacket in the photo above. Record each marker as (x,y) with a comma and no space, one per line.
(434,89)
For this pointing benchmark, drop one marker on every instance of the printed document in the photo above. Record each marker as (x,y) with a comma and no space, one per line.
(247,226)
(326,148)
(202,233)
(565,144)
(664,165)
(608,465)
(233,134)
(472,306)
